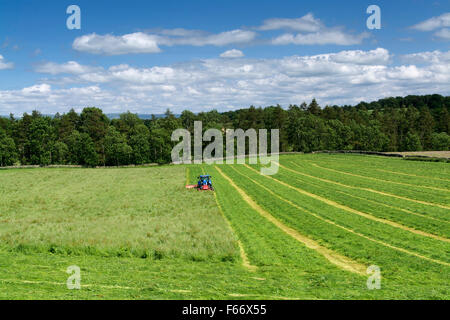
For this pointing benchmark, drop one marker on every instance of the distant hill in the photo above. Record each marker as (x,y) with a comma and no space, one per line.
(113,116)
(142,116)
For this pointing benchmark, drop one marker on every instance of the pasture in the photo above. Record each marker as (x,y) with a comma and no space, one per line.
(308,232)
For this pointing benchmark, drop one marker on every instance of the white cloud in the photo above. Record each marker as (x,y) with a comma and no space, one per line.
(378,56)
(219,39)
(71,67)
(441,22)
(233,53)
(443,34)
(344,77)
(325,37)
(434,23)
(434,57)
(114,45)
(179,32)
(140,42)
(37,89)
(407,73)
(306,23)
(310,31)
(5,65)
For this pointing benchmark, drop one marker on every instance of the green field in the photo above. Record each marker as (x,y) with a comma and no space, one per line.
(308,232)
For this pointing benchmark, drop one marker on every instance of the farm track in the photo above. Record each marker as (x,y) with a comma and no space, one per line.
(365,215)
(411,253)
(365,189)
(335,258)
(380,180)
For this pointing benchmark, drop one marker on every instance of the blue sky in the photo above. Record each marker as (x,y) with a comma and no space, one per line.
(145,56)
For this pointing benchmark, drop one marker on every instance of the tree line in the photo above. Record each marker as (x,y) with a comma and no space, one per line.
(411,123)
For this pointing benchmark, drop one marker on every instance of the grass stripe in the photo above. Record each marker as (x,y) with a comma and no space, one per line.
(412,175)
(335,258)
(381,180)
(366,215)
(372,207)
(392,207)
(342,227)
(245,261)
(367,189)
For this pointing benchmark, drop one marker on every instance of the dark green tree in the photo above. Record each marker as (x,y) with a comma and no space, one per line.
(8,153)
(117,151)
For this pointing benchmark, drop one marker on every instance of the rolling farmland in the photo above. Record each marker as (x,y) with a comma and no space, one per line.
(308,232)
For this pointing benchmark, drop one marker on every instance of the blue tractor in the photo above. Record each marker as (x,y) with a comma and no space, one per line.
(205,183)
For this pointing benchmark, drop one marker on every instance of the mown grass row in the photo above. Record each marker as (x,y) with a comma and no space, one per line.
(436,171)
(279,258)
(375,229)
(365,202)
(378,171)
(315,174)
(399,267)
(438,198)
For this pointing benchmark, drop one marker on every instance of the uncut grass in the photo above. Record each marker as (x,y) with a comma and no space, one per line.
(425,246)
(354,200)
(398,267)
(425,209)
(143,212)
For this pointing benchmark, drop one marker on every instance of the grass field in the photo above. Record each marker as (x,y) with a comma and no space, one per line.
(308,232)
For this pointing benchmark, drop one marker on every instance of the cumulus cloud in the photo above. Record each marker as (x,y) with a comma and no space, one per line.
(5,65)
(306,30)
(434,23)
(37,89)
(71,67)
(140,42)
(441,22)
(434,57)
(443,34)
(379,56)
(325,37)
(113,45)
(311,31)
(233,53)
(344,77)
(219,39)
(306,23)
